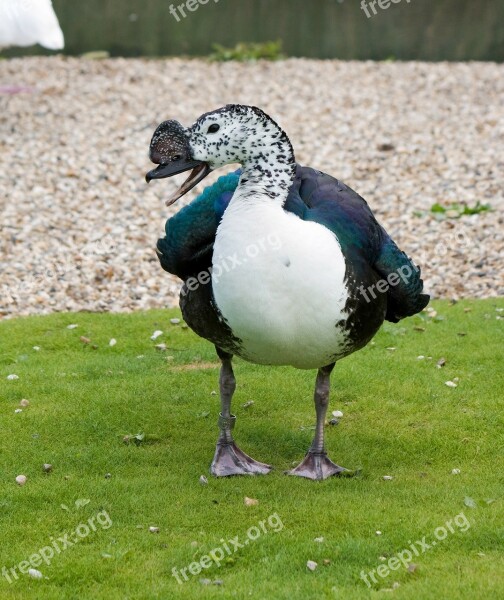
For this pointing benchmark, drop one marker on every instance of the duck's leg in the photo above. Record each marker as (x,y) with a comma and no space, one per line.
(228,458)
(316,464)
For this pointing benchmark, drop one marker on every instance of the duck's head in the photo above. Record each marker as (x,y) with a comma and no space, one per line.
(234,133)
(169,148)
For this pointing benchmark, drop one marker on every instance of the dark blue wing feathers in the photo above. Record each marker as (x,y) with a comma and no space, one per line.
(335,205)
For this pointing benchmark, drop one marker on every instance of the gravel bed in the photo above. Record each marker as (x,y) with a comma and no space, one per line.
(79,224)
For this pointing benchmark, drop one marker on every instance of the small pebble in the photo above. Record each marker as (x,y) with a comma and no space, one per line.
(378,532)
(24,402)
(203,480)
(386,147)
(455,471)
(248,403)
(441,363)
(205,581)
(18,410)
(72,326)
(36,348)
(250,501)
(175,321)
(451,384)
(337,413)
(213,393)
(387,478)
(21,479)
(154,529)
(84,339)
(326,562)
(108,475)
(112,342)
(312,565)
(156,334)
(47,468)
(35,574)
(319,540)
(218,582)
(160,347)
(12,377)
(412,567)
(391,349)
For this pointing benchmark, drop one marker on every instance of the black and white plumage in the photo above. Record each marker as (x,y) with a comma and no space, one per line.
(296,259)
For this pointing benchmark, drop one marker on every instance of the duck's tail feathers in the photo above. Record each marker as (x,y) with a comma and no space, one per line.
(405,295)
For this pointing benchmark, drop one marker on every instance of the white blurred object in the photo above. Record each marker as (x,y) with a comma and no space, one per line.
(28,22)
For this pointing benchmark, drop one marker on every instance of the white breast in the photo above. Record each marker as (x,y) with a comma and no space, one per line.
(279,283)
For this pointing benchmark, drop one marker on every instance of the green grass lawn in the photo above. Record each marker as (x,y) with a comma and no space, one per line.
(400,420)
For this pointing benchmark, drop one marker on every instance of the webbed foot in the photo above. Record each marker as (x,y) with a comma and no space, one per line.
(317,466)
(230,460)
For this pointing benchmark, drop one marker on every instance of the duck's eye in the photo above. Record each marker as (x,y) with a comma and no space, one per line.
(176,157)
(213,128)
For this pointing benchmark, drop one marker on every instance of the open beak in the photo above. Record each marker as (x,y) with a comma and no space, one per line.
(199,171)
